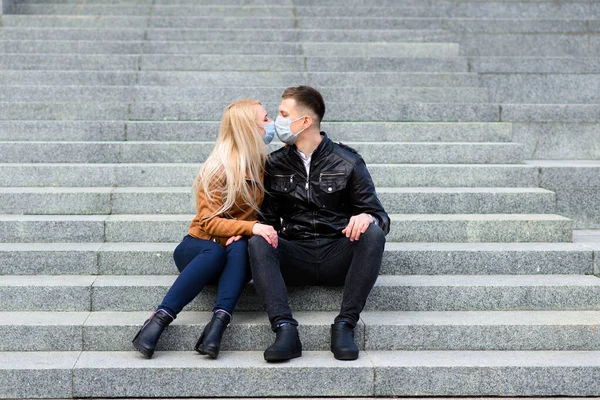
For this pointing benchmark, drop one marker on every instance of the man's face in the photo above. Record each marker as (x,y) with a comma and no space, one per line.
(287,109)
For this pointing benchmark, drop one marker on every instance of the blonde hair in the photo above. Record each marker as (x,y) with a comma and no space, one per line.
(239,154)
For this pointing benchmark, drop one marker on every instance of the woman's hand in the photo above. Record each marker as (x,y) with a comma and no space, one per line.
(267,232)
(233,239)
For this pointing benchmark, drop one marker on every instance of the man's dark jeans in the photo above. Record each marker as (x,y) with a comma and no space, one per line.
(320,262)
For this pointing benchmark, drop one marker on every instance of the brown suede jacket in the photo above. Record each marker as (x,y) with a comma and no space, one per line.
(238,221)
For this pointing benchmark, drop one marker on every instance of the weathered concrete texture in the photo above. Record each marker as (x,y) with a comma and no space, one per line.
(130,375)
(486,373)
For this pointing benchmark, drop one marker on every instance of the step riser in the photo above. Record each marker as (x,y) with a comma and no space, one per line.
(257,337)
(237,79)
(374,374)
(153,62)
(398,259)
(184,174)
(465,10)
(224,95)
(425,112)
(240,35)
(462,231)
(207,131)
(382,298)
(392,153)
(307,49)
(181,203)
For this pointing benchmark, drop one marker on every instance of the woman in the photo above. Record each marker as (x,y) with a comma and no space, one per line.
(229,191)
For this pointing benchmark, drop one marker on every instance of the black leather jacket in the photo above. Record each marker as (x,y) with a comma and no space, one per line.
(318,206)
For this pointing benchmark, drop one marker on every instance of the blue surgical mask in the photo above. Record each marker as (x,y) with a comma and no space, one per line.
(283,126)
(269,132)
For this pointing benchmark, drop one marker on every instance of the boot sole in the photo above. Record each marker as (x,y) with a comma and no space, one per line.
(279,358)
(212,353)
(345,356)
(145,352)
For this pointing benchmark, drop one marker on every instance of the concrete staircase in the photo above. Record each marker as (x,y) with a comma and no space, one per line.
(466,112)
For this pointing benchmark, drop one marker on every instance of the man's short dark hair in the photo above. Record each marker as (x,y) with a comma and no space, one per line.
(308,97)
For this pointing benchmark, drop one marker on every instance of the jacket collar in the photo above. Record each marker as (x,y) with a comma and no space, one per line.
(322,150)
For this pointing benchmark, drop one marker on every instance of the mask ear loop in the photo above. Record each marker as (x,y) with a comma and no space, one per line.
(297,119)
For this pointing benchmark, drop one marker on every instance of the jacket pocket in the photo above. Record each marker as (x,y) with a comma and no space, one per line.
(283,183)
(332,187)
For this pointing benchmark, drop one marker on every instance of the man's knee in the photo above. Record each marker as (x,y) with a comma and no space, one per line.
(374,235)
(257,245)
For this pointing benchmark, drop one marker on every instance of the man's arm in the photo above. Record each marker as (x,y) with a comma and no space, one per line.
(363,196)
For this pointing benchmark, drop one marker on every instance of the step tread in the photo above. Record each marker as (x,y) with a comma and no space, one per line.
(368,318)
(383,280)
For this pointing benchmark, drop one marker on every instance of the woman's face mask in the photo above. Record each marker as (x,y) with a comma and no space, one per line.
(283,130)
(269,128)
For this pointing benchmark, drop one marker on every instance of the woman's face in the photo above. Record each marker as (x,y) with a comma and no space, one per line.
(261,117)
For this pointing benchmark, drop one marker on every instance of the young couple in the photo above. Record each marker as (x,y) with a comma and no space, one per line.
(306,214)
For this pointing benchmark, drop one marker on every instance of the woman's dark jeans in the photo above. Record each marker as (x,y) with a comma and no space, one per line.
(201,262)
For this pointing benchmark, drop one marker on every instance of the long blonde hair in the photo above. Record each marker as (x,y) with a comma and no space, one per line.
(239,154)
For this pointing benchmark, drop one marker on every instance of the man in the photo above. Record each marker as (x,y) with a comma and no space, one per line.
(331,226)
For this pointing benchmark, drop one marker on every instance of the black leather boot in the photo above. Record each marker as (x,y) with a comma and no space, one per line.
(287,344)
(342,342)
(210,340)
(147,337)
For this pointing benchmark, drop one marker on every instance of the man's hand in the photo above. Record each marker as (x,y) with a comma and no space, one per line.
(233,239)
(357,226)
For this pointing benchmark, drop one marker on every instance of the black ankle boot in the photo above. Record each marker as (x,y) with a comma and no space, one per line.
(210,340)
(146,338)
(287,344)
(342,342)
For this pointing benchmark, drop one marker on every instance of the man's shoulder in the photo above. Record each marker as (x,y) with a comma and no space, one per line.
(348,153)
(277,155)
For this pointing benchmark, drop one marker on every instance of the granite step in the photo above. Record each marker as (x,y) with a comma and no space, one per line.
(254,48)
(464,228)
(390,293)
(398,259)
(23,93)
(446,9)
(375,373)
(250,331)
(209,111)
(189,152)
(229,62)
(453,24)
(238,78)
(208,130)
(178,200)
(225,34)
(164,175)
